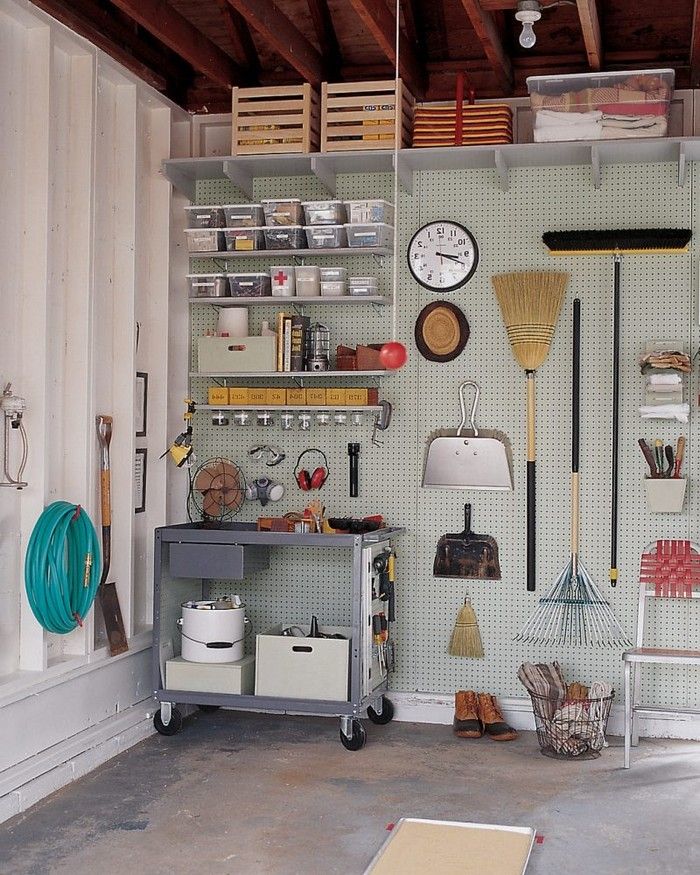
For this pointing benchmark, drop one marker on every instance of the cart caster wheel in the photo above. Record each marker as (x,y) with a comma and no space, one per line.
(208,709)
(357,739)
(387,714)
(173,727)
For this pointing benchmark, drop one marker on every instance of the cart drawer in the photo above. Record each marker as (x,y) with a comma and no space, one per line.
(222,561)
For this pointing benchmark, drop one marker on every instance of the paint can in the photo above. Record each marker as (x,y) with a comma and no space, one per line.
(213,630)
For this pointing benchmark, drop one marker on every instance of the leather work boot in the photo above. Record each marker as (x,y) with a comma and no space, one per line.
(466,723)
(490,715)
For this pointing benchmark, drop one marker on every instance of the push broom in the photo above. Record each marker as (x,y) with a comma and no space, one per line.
(530,304)
(574,611)
(660,241)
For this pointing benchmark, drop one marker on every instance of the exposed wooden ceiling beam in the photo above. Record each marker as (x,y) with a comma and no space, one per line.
(590,26)
(173,29)
(326,35)
(695,47)
(485,28)
(243,44)
(380,22)
(279,32)
(415,27)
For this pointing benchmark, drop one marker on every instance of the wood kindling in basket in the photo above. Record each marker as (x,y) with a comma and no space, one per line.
(283,118)
(365,115)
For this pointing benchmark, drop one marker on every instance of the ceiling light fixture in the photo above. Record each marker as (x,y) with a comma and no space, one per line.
(529,11)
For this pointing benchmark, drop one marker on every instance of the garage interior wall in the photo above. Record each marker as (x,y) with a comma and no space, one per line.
(86,253)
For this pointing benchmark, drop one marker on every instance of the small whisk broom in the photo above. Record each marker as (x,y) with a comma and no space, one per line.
(530,304)
(574,611)
(466,638)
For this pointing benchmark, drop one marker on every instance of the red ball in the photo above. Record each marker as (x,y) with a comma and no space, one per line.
(393,355)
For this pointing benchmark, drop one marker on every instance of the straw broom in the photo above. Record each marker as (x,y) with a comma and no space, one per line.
(530,303)
(466,638)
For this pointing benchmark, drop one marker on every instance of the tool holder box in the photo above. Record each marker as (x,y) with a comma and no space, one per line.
(180,548)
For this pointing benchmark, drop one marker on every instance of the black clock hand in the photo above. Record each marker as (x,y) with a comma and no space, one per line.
(451,257)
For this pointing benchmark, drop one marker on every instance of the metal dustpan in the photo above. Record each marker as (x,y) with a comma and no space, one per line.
(482,460)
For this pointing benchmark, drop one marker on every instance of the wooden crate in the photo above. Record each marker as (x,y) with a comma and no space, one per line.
(363,115)
(282,118)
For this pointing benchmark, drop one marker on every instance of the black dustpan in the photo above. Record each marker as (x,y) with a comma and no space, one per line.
(466,554)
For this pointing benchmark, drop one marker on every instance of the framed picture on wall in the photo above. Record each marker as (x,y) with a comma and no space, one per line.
(141,403)
(140,479)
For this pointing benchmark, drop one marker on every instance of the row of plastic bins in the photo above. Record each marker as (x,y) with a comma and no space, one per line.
(247,239)
(290,211)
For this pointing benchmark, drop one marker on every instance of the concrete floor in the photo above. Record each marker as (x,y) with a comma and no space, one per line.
(243,793)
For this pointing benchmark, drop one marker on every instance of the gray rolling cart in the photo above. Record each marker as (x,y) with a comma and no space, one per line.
(187,557)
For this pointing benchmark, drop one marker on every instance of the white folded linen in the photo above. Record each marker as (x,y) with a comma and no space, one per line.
(664,379)
(549,118)
(629,121)
(658,129)
(592,131)
(665,411)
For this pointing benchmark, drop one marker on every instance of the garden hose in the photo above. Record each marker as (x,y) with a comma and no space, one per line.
(62,567)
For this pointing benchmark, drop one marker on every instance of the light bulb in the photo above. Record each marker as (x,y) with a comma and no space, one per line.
(527,36)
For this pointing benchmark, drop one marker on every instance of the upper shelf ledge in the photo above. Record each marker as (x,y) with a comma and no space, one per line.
(184,173)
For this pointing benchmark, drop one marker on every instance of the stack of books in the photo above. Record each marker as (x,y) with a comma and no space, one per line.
(292,330)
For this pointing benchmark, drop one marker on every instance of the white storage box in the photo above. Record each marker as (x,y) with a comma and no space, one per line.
(601,106)
(665,494)
(244,215)
(244,239)
(333,288)
(371,234)
(334,274)
(363,285)
(208,285)
(202,677)
(303,668)
(283,212)
(324,212)
(250,285)
(363,212)
(326,236)
(283,282)
(205,217)
(230,355)
(288,237)
(204,240)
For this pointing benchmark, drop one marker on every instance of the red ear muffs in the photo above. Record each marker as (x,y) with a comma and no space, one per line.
(307,481)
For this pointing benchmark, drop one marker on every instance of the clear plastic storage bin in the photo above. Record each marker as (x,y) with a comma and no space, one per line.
(363,285)
(362,212)
(244,215)
(205,217)
(372,235)
(244,239)
(326,236)
(289,237)
(324,212)
(283,212)
(333,288)
(204,240)
(334,274)
(208,285)
(250,285)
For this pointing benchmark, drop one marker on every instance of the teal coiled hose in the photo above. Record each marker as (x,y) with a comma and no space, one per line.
(62,567)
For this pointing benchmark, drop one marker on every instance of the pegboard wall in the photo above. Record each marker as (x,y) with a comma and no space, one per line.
(658,303)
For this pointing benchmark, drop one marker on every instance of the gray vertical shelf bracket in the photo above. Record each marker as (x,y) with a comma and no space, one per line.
(404,171)
(182,180)
(324,171)
(502,169)
(595,167)
(240,177)
(682,165)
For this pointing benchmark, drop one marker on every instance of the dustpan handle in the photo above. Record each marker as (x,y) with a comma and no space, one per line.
(463,407)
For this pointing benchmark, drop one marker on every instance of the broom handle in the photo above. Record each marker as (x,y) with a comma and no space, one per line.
(531,522)
(615,421)
(575,432)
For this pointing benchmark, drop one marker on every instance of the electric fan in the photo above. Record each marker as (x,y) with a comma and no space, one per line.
(217,492)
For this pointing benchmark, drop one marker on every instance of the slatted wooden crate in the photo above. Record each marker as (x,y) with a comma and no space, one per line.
(365,115)
(283,118)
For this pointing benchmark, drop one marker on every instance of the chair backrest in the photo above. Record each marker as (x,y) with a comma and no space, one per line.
(669,569)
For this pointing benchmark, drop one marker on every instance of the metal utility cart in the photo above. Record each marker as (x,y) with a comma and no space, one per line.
(187,553)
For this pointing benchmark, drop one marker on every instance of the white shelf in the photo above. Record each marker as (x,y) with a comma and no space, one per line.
(295,300)
(278,254)
(295,408)
(243,170)
(291,375)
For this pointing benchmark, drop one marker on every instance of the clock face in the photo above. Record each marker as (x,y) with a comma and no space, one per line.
(442,256)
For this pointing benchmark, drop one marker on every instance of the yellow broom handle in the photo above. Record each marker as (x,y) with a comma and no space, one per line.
(574,511)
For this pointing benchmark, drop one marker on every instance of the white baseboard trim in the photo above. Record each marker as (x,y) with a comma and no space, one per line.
(439,708)
(25,784)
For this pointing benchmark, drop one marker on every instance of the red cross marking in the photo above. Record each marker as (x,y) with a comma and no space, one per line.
(280,277)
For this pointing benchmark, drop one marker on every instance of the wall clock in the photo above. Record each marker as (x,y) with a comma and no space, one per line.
(442,256)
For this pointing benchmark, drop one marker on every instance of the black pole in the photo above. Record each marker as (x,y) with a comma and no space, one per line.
(615,422)
(575,388)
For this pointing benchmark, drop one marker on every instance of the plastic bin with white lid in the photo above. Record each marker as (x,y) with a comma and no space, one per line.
(605,106)
(333,288)
(208,285)
(285,237)
(324,212)
(204,239)
(362,212)
(371,235)
(285,211)
(334,274)
(326,236)
(250,285)
(244,215)
(363,285)
(205,217)
(244,239)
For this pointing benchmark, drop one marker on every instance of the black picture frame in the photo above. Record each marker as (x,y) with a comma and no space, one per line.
(140,469)
(141,404)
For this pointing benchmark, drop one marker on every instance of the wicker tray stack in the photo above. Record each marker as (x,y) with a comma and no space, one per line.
(484,124)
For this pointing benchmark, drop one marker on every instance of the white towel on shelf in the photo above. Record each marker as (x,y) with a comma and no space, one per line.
(664,379)
(665,411)
(658,129)
(549,118)
(591,131)
(629,121)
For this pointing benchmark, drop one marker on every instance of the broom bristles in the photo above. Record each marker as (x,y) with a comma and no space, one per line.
(530,302)
(466,637)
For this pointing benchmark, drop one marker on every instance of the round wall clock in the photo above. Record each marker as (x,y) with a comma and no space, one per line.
(442,256)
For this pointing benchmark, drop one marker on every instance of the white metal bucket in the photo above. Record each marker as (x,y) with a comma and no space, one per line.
(212,630)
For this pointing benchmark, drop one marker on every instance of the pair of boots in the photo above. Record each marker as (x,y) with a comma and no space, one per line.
(477,715)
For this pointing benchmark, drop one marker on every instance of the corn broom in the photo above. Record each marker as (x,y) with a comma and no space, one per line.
(530,303)
(466,637)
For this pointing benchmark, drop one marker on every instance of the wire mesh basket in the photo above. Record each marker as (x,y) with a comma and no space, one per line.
(571,728)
